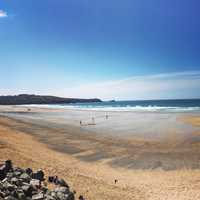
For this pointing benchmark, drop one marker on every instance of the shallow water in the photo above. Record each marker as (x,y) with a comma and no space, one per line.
(151,125)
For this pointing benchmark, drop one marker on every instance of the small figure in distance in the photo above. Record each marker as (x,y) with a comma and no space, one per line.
(106,116)
(116,181)
(80,123)
(93,121)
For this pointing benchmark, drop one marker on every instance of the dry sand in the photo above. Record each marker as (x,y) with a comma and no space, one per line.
(193,120)
(90,163)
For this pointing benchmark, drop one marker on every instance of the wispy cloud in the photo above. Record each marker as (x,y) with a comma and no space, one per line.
(157,86)
(167,85)
(3,14)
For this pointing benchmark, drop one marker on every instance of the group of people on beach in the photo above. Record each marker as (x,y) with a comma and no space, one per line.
(93,121)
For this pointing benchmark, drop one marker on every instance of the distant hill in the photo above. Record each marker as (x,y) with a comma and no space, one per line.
(37,99)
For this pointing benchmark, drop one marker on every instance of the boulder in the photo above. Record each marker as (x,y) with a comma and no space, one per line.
(25,177)
(8,165)
(27,189)
(38,175)
(49,197)
(39,196)
(64,190)
(10,198)
(21,196)
(51,179)
(17,173)
(5,168)
(15,181)
(71,196)
(2,172)
(29,171)
(35,183)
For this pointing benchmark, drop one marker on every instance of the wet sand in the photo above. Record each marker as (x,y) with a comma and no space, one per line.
(119,141)
(146,167)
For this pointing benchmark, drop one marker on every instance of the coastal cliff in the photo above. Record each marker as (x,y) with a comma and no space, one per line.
(37,99)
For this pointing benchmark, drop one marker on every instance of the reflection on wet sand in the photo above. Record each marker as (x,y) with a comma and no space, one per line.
(132,151)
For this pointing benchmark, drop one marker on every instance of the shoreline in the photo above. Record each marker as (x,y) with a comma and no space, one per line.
(129,109)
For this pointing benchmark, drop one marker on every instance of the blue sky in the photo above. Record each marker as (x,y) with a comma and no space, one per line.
(84,48)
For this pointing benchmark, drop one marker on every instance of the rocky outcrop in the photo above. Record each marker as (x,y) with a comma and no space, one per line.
(37,99)
(24,184)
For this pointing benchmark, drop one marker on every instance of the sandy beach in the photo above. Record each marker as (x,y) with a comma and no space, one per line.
(100,97)
(159,162)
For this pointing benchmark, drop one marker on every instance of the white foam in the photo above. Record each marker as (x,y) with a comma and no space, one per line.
(117,108)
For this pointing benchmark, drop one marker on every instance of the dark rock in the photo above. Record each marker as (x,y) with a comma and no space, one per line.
(29,171)
(55,180)
(38,175)
(9,175)
(27,189)
(64,190)
(53,194)
(18,169)
(9,186)
(51,179)
(49,197)
(60,195)
(14,194)
(62,182)
(71,196)
(17,173)
(1,186)
(2,194)
(10,198)
(25,177)
(21,196)
(4,169)
(8,165)
(15,181)
(44,189)
(2,172)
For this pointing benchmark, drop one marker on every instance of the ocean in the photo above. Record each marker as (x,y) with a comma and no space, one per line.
(178,105)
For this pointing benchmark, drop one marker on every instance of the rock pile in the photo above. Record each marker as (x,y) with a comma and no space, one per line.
(24,184)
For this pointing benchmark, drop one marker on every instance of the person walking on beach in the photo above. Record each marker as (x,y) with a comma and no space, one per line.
(93,121)
(80,123)
(106,116)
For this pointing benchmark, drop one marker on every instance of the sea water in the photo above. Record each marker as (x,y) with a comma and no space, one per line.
(175,105)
